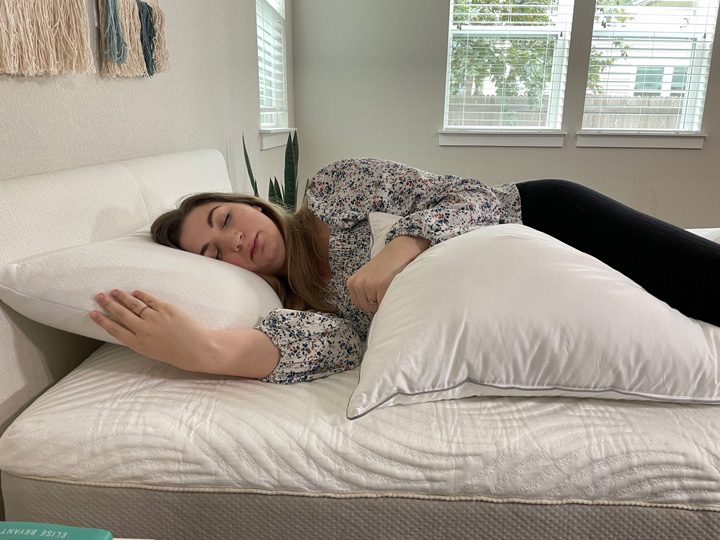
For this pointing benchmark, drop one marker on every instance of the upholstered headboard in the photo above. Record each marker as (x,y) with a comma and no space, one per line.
(48,212)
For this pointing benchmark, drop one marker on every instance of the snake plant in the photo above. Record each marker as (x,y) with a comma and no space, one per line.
(284,196)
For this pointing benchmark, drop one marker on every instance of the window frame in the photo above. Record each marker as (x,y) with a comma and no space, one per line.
(273,118)
(691,122)
(556,85)
(583,18)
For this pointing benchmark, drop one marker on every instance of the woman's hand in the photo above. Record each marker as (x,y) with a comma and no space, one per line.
(153,328)
(368,285)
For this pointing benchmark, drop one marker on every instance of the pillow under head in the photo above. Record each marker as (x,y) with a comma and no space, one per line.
(58,289)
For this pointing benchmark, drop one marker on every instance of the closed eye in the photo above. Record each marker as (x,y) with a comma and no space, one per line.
(227,219)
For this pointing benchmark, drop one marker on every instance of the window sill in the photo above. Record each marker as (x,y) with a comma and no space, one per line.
(272,138)
(546,139)
(624,139)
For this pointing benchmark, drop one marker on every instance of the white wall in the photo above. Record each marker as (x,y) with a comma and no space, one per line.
(369,81)
(207,100)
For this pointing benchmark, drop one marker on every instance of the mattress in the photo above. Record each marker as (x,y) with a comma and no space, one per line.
(122,420)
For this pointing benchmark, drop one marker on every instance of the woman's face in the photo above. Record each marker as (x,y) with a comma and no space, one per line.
(236,233)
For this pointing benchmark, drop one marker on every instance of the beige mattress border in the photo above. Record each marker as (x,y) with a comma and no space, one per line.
(379,495)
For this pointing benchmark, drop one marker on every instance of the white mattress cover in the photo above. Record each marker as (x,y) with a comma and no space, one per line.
(123,420)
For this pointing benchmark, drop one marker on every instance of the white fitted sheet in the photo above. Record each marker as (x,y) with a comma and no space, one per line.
(123,420)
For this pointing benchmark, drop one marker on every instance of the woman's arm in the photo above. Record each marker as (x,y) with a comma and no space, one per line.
(312,344)
(431,209)
(368,285)
(243,353)
(436,207)
(164,332)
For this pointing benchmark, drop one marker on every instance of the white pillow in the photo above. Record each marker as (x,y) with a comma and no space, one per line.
(710,234)
(380,225)
(58,289)
(510,311)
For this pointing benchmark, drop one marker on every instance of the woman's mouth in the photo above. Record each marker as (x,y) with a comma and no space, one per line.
(254,248)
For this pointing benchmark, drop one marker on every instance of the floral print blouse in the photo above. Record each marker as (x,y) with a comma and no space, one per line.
(315,344)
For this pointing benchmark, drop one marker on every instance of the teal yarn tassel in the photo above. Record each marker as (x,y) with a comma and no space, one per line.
(116,49)
(147,35)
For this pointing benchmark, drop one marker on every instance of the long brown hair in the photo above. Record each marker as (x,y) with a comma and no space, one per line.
(304,287)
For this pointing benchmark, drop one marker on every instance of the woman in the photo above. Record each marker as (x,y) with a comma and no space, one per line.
(318,261)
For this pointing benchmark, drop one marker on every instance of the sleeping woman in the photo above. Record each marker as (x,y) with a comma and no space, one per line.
(318,261)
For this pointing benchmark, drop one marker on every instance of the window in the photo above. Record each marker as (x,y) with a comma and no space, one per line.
(647,80)
(507,62)
(679,81)
(271,63)
(649,65)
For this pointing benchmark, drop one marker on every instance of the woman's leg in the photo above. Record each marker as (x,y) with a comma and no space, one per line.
(676,266)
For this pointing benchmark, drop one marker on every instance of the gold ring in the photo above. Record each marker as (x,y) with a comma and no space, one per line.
(143,309)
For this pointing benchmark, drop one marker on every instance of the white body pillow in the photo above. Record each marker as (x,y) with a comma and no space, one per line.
(58,289)
(510,311)
(380,225)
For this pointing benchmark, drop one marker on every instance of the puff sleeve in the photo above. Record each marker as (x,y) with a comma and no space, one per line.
(432,206)
(312,345)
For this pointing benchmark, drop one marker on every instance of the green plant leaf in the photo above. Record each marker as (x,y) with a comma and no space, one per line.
(271,192)
(290,195)
(275,194)
(249,169)
(297,151)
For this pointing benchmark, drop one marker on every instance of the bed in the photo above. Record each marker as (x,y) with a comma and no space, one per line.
(96,435)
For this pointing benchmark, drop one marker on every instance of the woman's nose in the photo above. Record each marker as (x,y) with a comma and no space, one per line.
(235,240)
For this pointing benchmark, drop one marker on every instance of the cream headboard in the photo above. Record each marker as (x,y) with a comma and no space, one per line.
(53,211)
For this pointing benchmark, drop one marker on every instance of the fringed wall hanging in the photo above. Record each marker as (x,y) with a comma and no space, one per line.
(132,38)
(39,37)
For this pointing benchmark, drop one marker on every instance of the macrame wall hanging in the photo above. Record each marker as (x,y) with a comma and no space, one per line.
(51,37)
(132,38)
(39,37)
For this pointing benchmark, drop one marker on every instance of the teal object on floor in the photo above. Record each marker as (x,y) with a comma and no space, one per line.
(20,530)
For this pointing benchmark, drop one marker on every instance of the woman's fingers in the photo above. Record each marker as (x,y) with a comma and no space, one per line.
(129,311)
(147,299)
(123,307)
(116,309)
(154,328)
(369,284)
(364,295)
(134,304)
(381,294)
(119,332)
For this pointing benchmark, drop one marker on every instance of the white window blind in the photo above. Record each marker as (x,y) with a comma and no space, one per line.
(649,65)
(271,63)
(507,64)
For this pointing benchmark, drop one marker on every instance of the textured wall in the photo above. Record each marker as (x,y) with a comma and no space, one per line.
(207,100)
(369,81)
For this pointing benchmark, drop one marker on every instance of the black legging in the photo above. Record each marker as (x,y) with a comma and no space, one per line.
(676,266)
